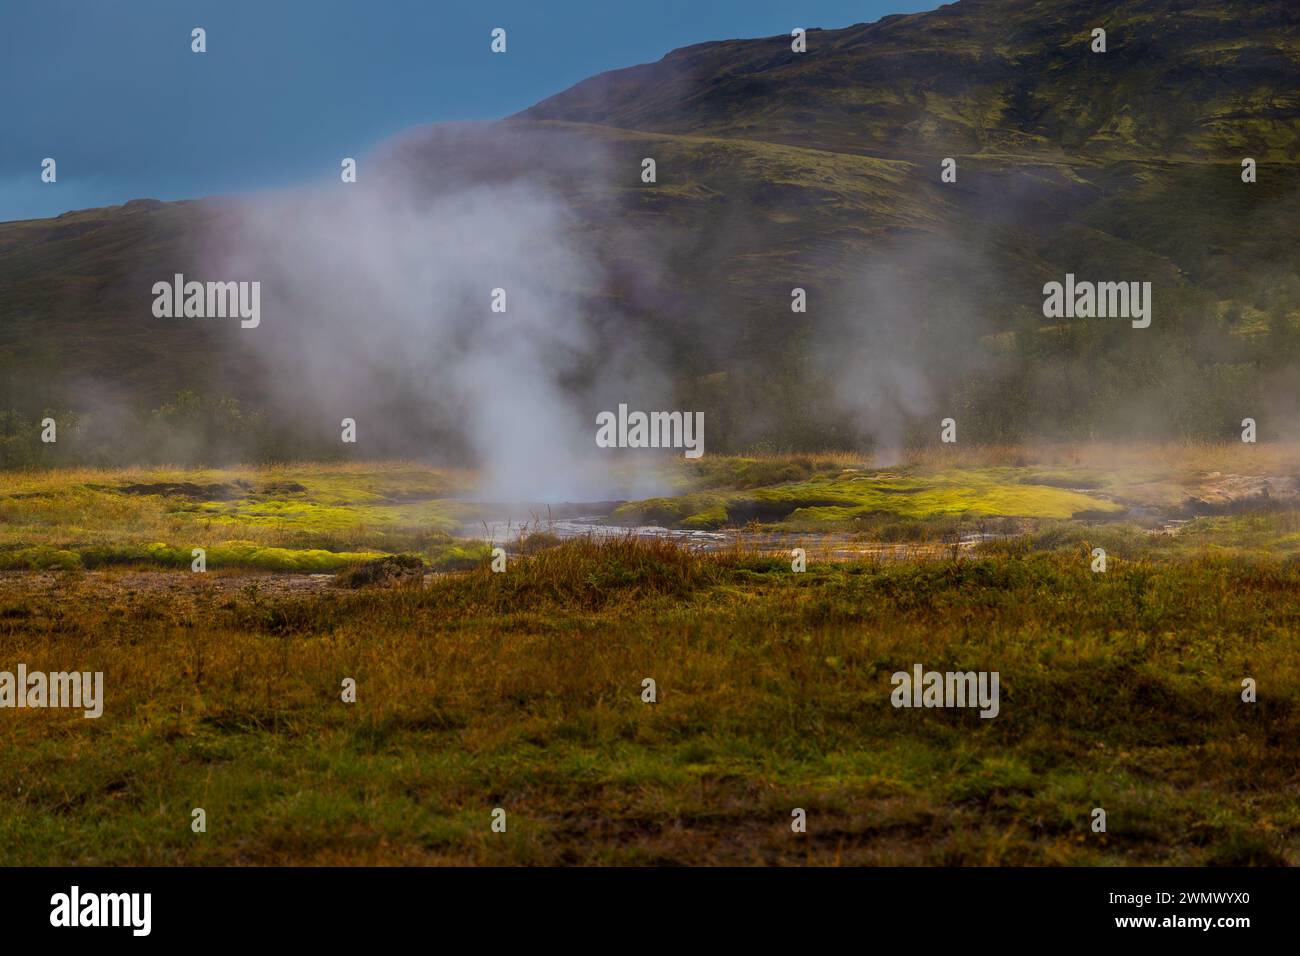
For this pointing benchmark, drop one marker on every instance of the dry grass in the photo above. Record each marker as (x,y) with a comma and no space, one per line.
(523,690)
(1121,457)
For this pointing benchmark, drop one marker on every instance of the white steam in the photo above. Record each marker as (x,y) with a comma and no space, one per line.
(377,305)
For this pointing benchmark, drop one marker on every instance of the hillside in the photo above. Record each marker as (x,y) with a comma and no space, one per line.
(1180,79)
(778,170)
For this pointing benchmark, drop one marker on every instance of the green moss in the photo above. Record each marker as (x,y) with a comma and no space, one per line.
(452,557)
(317,518)
(699,509)
(246,554)
(40,558)
(229,554)
(839,500)
(738,473)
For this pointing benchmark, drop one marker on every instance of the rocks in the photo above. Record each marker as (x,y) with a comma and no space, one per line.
(1222,494)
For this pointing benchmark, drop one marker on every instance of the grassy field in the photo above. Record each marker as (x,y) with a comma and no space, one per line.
(522,690)
(317,518)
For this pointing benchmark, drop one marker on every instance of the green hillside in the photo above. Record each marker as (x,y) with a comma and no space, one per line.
(821,171)
(1180,79)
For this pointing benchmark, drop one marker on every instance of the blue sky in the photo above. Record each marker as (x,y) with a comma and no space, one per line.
(113,93)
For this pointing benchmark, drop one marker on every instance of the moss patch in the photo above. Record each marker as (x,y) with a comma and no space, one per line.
(849,496)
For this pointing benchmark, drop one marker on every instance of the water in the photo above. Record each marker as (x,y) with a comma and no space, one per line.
(818,545)
(583,526)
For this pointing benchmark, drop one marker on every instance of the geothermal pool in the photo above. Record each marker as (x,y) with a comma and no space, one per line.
(505,531)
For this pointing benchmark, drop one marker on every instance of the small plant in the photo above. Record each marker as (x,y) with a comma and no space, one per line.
(387,571)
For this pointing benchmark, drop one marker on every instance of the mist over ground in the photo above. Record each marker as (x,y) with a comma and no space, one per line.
(379,304)
(378,301)
(775,171)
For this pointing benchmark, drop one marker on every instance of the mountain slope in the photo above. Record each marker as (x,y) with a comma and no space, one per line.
(821,171)
(993,77)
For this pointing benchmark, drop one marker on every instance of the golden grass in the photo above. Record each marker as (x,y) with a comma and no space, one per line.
(522,690)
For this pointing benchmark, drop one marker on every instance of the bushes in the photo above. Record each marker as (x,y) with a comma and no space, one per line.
(587,573)
(390,569)
(20,439)
(190,429)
